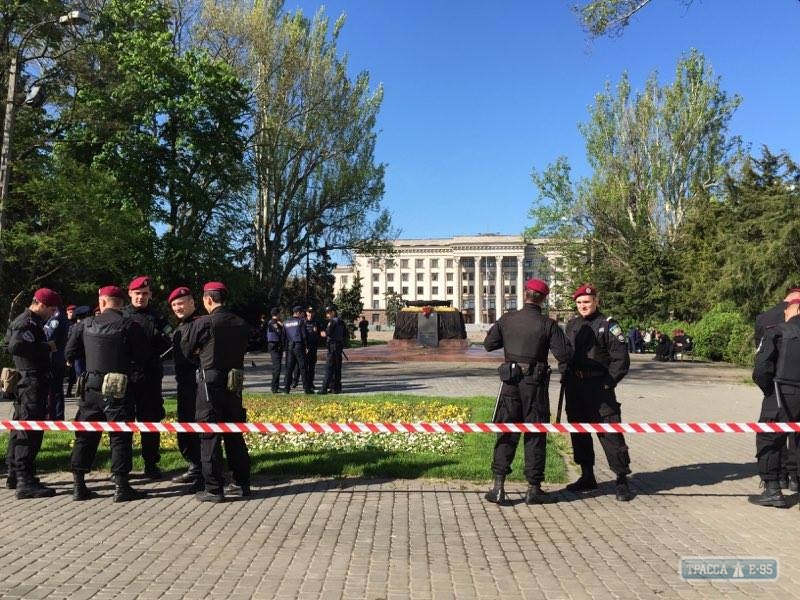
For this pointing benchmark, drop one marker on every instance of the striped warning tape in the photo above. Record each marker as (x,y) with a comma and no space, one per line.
(434,427)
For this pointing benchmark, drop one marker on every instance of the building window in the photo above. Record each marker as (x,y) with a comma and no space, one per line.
(449,263)
(390,289)
(420,290)
(419,263)
(390,277)
(376,318)
(512,304)
(376,291)
(513,289)
(376,277)
(434,277)
(449,276)
(389,263)
(403,263)
(434,291)
(404,276)
(434,263)
(375,304)
(344,280)
(405,291)
(420,276)
(491,289)
(449,290)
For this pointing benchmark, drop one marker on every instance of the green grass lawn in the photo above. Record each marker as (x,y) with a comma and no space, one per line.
(469,462)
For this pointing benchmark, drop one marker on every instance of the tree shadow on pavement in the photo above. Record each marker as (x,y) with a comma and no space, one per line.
(698,474)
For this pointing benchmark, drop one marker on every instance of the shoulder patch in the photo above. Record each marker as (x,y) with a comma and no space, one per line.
(614,328)
(28,336)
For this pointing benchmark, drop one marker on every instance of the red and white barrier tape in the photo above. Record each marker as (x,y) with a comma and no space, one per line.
(435,427)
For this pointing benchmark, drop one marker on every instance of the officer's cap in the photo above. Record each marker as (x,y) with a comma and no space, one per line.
(47,297)
(537,285)
(111,291)
(587,289)
(215,286)
(275,311)
(138,283)
(297,308)
(330,308)
(792,290)
(82,311)
(179,292)
(310,309)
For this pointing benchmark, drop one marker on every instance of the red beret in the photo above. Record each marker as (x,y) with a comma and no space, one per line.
(215,286)
(794,301)
(47,297)
(139,282)
(792,290)
(587,289)
(537,285)
(111,291)
(71,307)
(179,292)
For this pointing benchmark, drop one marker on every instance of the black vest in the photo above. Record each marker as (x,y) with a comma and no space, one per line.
(105,344)
(788,368)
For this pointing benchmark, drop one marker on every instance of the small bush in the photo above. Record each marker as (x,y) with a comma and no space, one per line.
(714,332)
(741,348)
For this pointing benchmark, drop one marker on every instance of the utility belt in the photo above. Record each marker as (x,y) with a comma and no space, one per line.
(233,379)
(512,372)
(588,373)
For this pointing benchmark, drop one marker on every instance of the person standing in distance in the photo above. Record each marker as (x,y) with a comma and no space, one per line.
(145,380)
(363,328)
(312,342)
(789,454)
(182,304)
(526,336)
(335,334)
(28,346)
(600,361)
(777,373)
(296,346)
(275,343)
(111,345)
(220,341)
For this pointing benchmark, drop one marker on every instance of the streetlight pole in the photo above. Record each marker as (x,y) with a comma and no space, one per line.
(73,17)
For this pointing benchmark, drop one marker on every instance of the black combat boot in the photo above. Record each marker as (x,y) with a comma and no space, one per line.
(497,494)
(11,481)
(206,496)
(190,476)
(623,491)
(585,482)
(536,495)
(79,489)
(123,492)
(29,487)
(236,489)
(793,483)
(771,496)
(152,472)
(784,481)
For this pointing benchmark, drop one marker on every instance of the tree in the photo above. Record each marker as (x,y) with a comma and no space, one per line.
(609,17)
(394,302)
(654,155)
(313,139)
(349,304)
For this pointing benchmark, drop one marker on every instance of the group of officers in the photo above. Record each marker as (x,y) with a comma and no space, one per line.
(122,348)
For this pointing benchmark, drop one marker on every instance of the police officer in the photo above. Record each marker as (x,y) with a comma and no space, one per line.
(111,344)
(275,342)
(335,336)
(600,361)
(777,373)
(765,320)
(296,346)
(57,329)
(526,336)
(145,381)
(312,342)
(220,340)
(182,304)
(26,342)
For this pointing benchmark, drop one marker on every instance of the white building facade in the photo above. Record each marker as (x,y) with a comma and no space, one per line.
(483,275)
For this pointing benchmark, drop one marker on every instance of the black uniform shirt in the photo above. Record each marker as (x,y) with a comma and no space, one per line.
(312,334)
(294,330)
(598,344)
(27,343)
(275,331)
(336,331)
(768,355)
(185,365)
(220,339)
(526,336)
(769,318)
(157,330)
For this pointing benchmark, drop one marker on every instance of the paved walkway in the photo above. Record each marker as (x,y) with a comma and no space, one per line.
(381,539)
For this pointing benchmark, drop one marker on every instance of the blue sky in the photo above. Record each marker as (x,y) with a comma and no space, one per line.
(477,94)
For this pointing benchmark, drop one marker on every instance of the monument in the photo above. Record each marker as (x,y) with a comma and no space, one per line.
(430,324)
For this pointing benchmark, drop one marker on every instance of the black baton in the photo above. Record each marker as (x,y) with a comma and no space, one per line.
(497,404)
(560,403)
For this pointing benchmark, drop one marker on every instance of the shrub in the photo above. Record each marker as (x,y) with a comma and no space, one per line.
(741,348)
(714,332)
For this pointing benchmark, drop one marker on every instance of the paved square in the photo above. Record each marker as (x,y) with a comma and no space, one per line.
(382,539)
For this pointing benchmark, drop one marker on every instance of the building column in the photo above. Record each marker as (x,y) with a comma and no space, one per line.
(457,296)
(368,285)
(478,289)
(520,281)
(499,288)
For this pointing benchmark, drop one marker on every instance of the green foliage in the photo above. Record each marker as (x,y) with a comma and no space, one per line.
(714,332)
(740,349)
(349,304)
(394,302)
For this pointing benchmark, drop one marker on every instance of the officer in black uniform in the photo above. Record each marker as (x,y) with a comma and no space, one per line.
(777,373)
(312,342)
(182,304)
(296,346)
(26,342)
(111,344)
(765,320)
(600,361)
(335,336)
(275,343)
(145,382)
(526,336)
(220,339)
